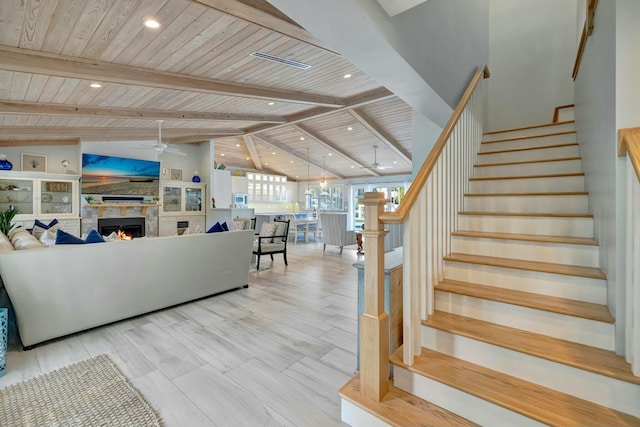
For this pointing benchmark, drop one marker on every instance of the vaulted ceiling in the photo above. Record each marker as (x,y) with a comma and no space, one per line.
(196,73)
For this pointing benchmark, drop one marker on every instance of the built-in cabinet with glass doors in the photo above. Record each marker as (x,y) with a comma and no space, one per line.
(182,207)
(41,196)
(266,188)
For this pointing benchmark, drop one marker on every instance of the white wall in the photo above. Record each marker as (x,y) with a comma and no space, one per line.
(532,48)
(425,133)
(595,113)
(55,155)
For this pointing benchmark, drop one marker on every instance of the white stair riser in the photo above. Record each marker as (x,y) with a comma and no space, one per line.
(566,114)
(563,204)
(557,285)
(559,253)
(528,169)
(600,389)
(563,127)
(528,185)
(529,155)
(355,416)
(541,141)
(548,226)
(466,405)
(570,328)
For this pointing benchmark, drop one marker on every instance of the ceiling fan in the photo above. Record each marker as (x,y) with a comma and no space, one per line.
(375,165)
(161,147)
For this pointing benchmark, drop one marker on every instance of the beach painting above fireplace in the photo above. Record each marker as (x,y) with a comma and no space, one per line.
(119,175)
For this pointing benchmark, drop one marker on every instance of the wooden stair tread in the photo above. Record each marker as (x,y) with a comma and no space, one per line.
(559,193)
(592,359)
(545,267)
(529,127)
(528,237)
(531,400)
(399,408)
(563,159)
(519,138)
(569,307)
(529,148)
(546,215)
(554,175)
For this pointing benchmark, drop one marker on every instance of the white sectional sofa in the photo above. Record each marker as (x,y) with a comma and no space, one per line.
(69,288)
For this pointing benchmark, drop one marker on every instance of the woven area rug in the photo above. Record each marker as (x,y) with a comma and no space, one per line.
(89,393)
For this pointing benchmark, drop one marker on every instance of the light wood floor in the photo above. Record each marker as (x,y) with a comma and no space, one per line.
(273,354)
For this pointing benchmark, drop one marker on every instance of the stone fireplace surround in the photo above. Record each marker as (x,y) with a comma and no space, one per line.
(91,214)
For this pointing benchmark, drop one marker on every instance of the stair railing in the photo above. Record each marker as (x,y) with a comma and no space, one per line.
(629,146)
(428,212)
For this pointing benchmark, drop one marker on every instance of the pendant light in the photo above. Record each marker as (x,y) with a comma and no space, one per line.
(323,183)
(308,192)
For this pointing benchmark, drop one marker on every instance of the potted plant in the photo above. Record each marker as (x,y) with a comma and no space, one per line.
(89,199)
(6,219)
(156,199)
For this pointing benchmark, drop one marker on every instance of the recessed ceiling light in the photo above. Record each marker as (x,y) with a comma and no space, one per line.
(247,158)
(237,145)
(95,85)
(151,23)
(273,152)
(352,166)
(222,154)
(302,138)
(347,76)
(266,164)
(349,128)
(395,162)
(272,103)
(290,161)
(331,154)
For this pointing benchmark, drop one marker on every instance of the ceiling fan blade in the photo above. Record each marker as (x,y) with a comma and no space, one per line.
(174,151)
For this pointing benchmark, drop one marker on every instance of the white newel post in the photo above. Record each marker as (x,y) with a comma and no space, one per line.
(374,323)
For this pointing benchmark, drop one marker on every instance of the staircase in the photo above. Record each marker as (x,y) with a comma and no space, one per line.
(520,333)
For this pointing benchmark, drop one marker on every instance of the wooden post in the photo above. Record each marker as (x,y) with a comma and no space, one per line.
(374,323)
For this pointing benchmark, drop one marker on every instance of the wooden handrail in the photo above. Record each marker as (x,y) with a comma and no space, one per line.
(411,196)
(629,145)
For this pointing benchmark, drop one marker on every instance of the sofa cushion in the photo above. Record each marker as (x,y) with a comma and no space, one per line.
(24,240)
(216,228)
(269,247)
(64,238)
(5,244)
(15,230)
(94,237)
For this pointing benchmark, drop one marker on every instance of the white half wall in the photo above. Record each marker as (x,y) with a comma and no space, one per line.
(532,47)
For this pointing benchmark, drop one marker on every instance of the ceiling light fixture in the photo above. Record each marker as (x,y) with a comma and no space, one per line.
(151,23)
(349,128)
(347,76)
(95,85)
(272,103)
(237,145)
(302,138)
(222,154)
(308,192)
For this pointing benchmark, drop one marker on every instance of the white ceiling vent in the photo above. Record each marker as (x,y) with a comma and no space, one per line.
(284,61)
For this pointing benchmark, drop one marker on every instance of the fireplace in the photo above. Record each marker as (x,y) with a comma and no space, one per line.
(132,226)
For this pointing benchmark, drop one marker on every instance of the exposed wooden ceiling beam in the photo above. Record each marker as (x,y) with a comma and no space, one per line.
(28,61)
(31,142)
(287,150)
(333,147)
(375,95)
(48,109)
(111,133)
(251,148)
(381,134)
(261,17)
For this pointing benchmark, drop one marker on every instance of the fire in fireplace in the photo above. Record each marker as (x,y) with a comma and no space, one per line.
(134,227)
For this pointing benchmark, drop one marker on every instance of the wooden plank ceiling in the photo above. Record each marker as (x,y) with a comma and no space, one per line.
(195,72)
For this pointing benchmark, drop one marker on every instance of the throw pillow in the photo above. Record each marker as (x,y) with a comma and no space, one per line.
(268,229)
(94,237)
(48,238)
(225,227)
(111,237)
(216,228)
(64,238)
(237,225)
(25,241)
(280,230)
(45,226)
(38,231)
